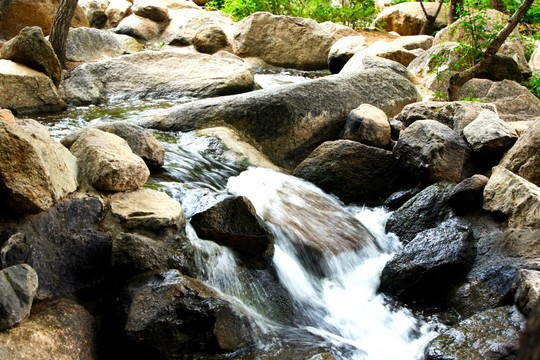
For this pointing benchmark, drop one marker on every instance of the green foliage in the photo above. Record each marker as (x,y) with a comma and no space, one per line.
(533,84)
(354,13)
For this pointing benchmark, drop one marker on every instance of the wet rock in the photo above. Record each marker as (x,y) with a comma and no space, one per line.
(158,73)
(135,254)
(468,195)
(262,35)
(25,90)
(186,23)
(150,9)
(392,51)
(36,171)
(19,14)
(396,127)
(368,125)
(161,306)
(514,102)
(18,285)
(408,18)
(234,223)
(430,151)
(495,20)
(210,39)
(397,199)
(514,197)
(455,114)
(117,11)
(492,334)
(364,61)
(140,141)
(523,158)
(424,211)
(57,329)
(527,290)
(140,28)
(31,49)
(63,246)
(145,211)
(430,263)
(352,171)
(489,136)
(277,119)
(107,162)
(86,44)
(95,11)
(344,49)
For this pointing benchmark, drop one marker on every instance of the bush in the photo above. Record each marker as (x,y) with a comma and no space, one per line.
(534,84)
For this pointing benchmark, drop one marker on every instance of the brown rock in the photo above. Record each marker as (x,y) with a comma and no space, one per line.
(140,28)
(151,9)
(527,290)
(408,18)
(210,40)
(117,11)
(368,125)
(7,116)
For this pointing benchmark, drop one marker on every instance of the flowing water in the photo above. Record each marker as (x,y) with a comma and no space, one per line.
(328,257)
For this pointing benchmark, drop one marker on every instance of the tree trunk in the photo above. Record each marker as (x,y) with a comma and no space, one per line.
(457,80)
(60,28)
(498,5)
(455,7)
(427,28)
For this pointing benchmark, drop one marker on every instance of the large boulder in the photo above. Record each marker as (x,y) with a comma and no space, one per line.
(455,114)
(140,141)
(151,9)
(514,102)
(186,23)
(86,44)
(117,11)
(35,170)
(392,51)
(363,61)
(95,12)
(430,264)
(424,211)
(25,90)
(31,49)
(290,121)
(489,136)
(514,197)
(159,73)
(490,335)
(368,125)
(158,307)
(430,151)
(63,246)
(107,163)
(344,49)
(352,171)
(145,211)
(19,285)
(523,158)
(493,21)
(140,28)
(19,14)
(308,43)
(408,18)
(57,329)
(234,223)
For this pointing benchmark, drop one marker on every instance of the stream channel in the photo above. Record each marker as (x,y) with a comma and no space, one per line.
(340,312)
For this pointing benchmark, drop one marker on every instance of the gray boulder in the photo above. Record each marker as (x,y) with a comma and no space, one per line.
(392,51)
(430,264)
(36,171)
(489,136)
(468,195)
(455,114)
(140,141)
(210,39)
(523,158)
(277,119)
(18,285)
(430,151)
(344,49)
(25,90)
(424,211)
(86,44)
(368,125)
(64,247)
(157,73)
(31,49)
(352,171)
(158,307)
(140,28)
(308,43)
(490,335)
(234,223)
(364,61)
(107,162)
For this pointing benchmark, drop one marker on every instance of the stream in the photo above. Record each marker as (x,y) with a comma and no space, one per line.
(334,297)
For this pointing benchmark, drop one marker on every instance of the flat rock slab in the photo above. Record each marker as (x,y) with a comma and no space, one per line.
(158,74)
